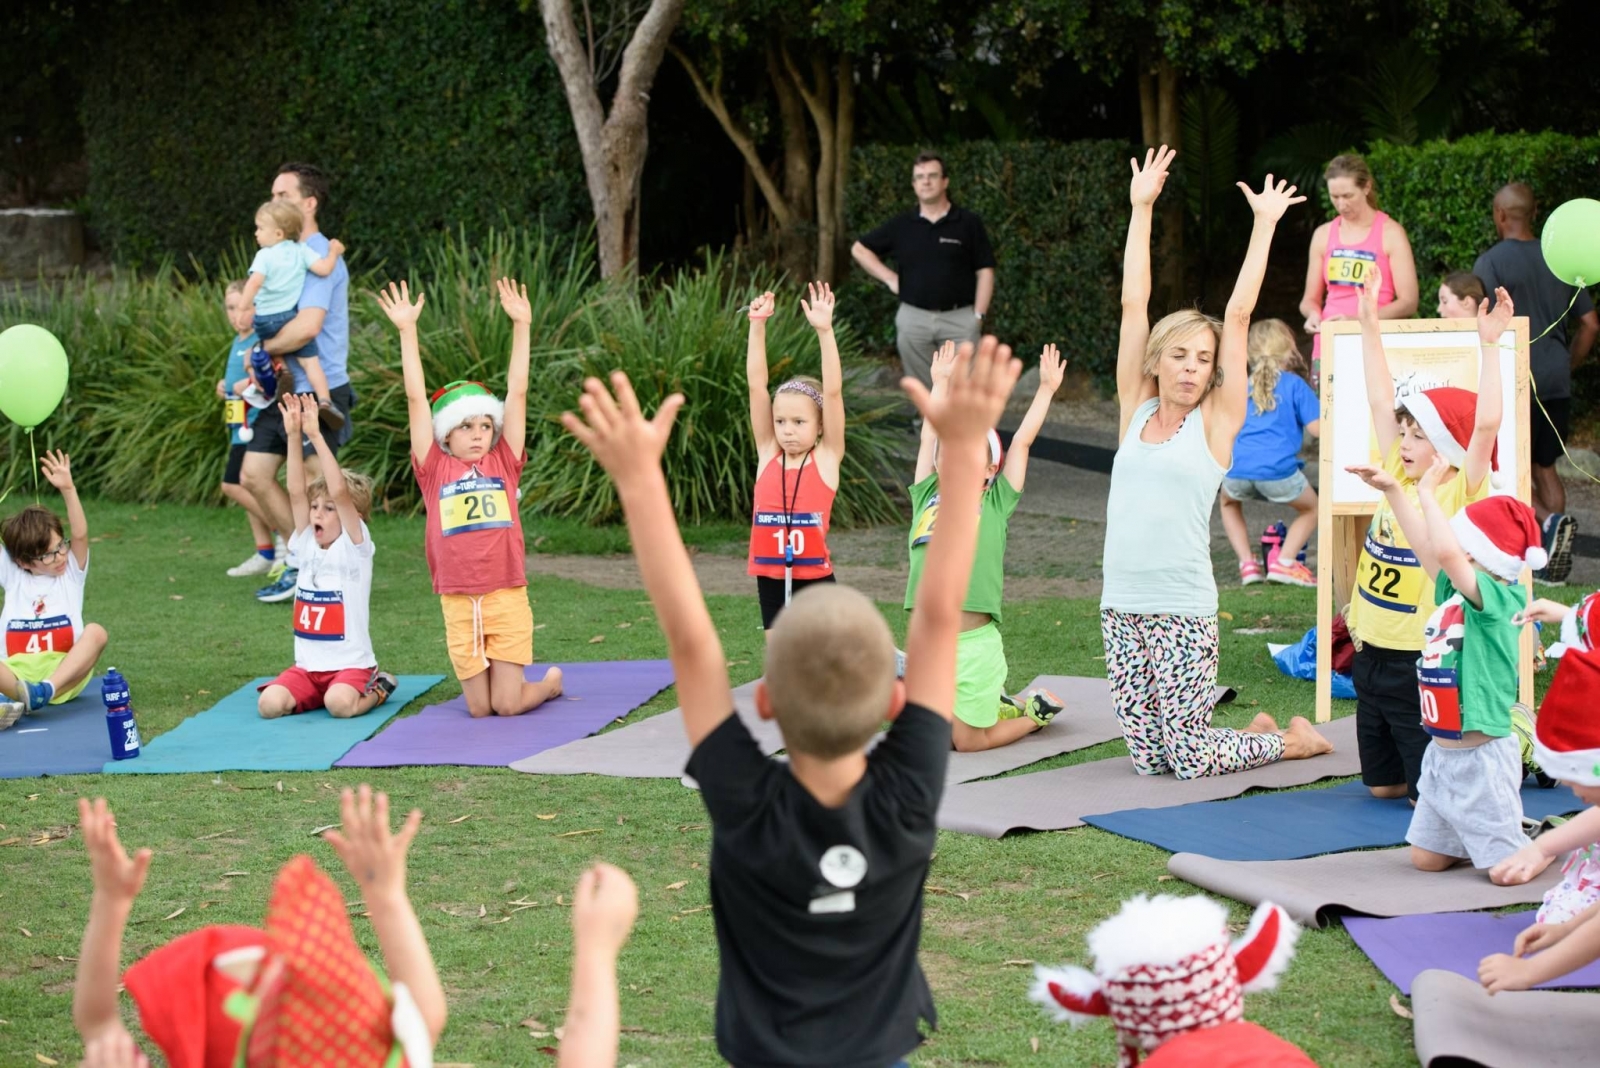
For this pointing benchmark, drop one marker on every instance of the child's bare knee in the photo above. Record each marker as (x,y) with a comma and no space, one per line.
(342,705)
(1388,792)
(94,634)
(1428,860)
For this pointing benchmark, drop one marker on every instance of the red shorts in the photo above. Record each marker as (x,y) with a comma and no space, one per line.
(309,688)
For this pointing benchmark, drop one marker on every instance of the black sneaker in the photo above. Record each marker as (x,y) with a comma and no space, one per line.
(1559,530)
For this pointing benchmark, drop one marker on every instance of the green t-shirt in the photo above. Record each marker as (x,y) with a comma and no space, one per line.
(987,588)
(1467,671)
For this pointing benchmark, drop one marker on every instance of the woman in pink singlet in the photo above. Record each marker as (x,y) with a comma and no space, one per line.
(1341,250)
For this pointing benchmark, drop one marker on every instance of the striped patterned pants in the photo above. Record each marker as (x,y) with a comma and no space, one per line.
(1163,670)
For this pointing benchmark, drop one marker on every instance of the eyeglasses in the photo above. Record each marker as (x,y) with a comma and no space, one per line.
(53,555)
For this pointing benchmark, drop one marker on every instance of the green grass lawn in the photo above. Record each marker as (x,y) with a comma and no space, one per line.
(185,635)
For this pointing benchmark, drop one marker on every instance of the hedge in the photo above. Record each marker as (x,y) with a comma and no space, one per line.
(428,114)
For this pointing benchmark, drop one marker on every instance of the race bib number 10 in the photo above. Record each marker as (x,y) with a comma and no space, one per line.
(50,635)
(319,615)
(474,504)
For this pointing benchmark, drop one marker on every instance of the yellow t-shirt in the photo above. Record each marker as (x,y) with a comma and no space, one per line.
(1393,597)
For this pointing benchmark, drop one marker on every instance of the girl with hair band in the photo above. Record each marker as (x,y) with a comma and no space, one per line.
(1358,237)
(799,433)
(1266,456)
(1182,386)
(1460,294)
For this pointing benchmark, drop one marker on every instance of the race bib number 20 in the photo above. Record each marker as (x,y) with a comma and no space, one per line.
(474,504)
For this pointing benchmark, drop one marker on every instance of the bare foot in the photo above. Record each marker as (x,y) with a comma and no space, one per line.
(1301,740)
(1262,724)
(552,683)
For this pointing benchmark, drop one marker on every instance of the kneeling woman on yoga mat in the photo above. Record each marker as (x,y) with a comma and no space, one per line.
(1183,393)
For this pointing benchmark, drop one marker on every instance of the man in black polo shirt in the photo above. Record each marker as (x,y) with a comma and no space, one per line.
(1517,263)
(946,269)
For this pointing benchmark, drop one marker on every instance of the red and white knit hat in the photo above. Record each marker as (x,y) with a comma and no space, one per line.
(1581,629)
(1566,739)
(1446,416)
(1164,967)
(1502,535)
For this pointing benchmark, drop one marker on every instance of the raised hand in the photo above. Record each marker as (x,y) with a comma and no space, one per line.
(1374,476)
(819,309)
(944,361)
(117,876)
(57,470)
(336,247)
(762,307)
(289,408)
(1434,475)
(397,305)
(1148,180)
(603,909)
(375,857)
(1052,369)
(514,300)
(1491,324)
(615,430)
(1273,200)
(974,395)
(1367,297)
(310,425)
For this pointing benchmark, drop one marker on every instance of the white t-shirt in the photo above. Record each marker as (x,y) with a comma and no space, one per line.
(42,613)
(330,602)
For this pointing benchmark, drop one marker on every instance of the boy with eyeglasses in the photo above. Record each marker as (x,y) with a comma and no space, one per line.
(49,652)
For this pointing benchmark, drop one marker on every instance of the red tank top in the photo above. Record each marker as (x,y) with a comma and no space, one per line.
(792,508)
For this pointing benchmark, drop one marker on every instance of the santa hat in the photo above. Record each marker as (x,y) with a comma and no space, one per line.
(995,452)
(1581,628)
(1164,967)
(1502,535)
(1566,740)
(456,402)
(1446,416)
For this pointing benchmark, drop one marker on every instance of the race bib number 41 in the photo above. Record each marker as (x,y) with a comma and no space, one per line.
(319,615)
(474,504)
(50,635)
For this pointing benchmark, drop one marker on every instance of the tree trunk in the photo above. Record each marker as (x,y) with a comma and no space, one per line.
(1169,133)
(799,183)
(844,134)
(613,146)
(1147,101)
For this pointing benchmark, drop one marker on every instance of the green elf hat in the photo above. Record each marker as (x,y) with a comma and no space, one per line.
(459,401)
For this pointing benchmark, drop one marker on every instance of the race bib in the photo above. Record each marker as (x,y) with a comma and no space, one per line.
(319,615)
(474,503)
(922,529)
(1389,577)
(801,535)
(50,635)
(1440,691)
(233,412)
(1349,266)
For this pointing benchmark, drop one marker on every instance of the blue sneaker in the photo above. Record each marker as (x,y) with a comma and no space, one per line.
(39,694)
(282,590)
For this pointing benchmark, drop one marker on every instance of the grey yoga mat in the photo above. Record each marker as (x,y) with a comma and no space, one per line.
(1060,798)
(1378,882)
(1458,1023)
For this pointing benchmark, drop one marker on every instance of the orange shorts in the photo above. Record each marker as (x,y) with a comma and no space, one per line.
(495,626)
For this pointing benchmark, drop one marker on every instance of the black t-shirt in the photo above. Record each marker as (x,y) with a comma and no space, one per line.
(819,911)
(938,261)
(1543,298)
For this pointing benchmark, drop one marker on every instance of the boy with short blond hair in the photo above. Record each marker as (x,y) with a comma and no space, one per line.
(817,865)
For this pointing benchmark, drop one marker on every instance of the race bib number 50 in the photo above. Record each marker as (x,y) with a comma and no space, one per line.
(52,634)
(319,615)
(474,504)
(1349,266)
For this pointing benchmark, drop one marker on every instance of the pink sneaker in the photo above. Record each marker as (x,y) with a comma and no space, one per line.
(1292,573)
(1249,573)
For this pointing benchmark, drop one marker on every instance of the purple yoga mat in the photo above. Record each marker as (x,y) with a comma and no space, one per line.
(1407,946)
(593,695)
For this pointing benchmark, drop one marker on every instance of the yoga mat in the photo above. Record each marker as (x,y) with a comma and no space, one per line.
(1458,1023)
(1405,946)
(1378,883)
(1289,825)
(1059,798)
(593,694)
(232,736)
(65,739)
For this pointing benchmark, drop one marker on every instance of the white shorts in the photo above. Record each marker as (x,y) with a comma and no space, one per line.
(1471,802)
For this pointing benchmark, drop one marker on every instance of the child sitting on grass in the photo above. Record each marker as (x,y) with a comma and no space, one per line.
(817,865)
(1266,455)
(298,992)
(50,652)
(277,275)
(802,423)
(334,665)
(985,715)
(239,417)
(467,452)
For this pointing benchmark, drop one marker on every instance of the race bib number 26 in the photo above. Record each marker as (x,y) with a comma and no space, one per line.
(474,504)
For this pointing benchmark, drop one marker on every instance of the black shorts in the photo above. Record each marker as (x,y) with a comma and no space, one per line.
(1389,734)
(1546,434)
(770,591)
(270,437)
(230,476)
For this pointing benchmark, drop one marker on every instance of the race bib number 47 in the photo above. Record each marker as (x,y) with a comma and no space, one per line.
(319,615)
(474,504)
(50,635)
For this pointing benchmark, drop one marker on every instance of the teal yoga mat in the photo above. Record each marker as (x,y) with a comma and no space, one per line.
(232,737)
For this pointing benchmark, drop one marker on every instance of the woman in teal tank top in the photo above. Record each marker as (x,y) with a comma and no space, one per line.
(1183,388)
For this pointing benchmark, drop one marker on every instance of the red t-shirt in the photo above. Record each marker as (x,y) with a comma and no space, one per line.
(474,541)
(1239,1044)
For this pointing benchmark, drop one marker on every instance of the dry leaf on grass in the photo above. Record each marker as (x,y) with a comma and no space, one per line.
(325,827)
(688,912)
(217,834)
(1033,1043)
(949,893)
(233,874)
(25,932)
(13,840)
(460,819)
(545,815)
(624,626)
(679,885)
(540,626)
(575,834)
(42,1059)
(1399,1010)
(1015,963)
(597,639)
(175,913)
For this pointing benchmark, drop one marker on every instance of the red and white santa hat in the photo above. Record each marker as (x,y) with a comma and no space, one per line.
(1446,416)
(1502,535)
(1566,739)
(1164,967)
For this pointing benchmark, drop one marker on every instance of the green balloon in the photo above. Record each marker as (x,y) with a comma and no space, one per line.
(1571,242)
(33,374)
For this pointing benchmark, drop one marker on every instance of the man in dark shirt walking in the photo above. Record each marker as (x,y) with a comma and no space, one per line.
(945,276)
(1517,262)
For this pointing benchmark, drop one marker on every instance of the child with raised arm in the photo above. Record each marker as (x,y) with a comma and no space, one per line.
(817,865)
(986,716)
(1393,597)
(467,452)
(50,651)
(604,906)
(334,665)
(300,989)
(799,432)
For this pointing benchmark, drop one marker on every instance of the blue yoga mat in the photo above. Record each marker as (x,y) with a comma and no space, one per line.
(232,737)
(66,739)
(1290,824)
